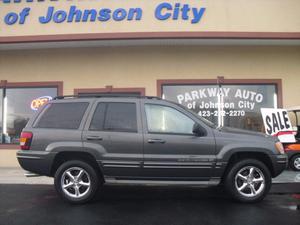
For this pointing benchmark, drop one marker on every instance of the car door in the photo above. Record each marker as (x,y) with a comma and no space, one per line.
(171,149)
(115,130)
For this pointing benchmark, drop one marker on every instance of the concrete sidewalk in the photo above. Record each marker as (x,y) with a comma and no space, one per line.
(288,176)
(16,176)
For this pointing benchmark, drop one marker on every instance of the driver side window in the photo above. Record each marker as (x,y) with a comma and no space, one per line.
(164,119)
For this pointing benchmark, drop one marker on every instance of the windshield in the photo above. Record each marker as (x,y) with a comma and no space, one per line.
(294,117)
(205,121)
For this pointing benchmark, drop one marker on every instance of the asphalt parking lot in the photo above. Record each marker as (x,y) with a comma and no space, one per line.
(38,204)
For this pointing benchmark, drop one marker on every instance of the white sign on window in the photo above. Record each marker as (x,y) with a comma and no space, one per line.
(277,123)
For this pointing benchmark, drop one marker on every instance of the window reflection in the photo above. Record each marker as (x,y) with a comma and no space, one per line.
(18,109)
(163,119)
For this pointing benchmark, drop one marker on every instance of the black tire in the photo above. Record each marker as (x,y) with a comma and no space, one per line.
(292,162)
(232,183)
(89,176)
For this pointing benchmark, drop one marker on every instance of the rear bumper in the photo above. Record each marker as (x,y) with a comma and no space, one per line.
(38,162)
(280,163)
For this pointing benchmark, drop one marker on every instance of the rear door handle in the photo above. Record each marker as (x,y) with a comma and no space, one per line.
(159,141)
(94,138)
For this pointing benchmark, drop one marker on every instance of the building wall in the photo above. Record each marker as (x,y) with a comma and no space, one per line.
(143,66)
(220,15)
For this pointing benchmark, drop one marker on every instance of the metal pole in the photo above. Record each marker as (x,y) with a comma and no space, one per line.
(220,102)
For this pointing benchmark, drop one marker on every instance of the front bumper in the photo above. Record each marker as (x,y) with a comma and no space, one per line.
(291,153)
(280,163)
(38,162)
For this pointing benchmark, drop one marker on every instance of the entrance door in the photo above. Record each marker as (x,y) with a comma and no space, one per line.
(171,150)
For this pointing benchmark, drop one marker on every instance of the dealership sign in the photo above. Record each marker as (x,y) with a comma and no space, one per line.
(247,99)
(277,123)
(225,101)
(73,14)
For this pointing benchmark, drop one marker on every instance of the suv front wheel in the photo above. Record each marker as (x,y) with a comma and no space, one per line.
(76,181)
(248,181)
(295,162)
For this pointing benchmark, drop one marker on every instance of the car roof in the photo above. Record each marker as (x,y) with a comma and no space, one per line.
(294,108)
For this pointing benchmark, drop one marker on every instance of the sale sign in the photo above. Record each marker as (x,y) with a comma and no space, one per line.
(277,123)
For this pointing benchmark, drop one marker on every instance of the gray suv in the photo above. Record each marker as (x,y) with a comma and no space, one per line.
(87,141)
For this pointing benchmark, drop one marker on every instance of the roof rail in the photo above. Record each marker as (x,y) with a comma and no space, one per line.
(104,95)
(64,96)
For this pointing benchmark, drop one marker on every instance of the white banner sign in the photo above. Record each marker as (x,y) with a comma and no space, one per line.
(277,123)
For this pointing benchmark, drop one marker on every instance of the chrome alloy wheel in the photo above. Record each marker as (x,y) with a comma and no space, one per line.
(250,181)
(75,182)
(297,163)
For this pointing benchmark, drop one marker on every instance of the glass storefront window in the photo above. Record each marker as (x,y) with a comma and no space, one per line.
(226,105)
(19,105)
(1,114)
(195,97)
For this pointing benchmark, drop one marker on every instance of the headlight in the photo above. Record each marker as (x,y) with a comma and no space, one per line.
(279,147)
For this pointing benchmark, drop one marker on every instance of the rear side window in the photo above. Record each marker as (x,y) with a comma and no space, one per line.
(63,115)
(115,116)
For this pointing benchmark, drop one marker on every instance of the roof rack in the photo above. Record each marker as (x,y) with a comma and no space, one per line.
(104,95)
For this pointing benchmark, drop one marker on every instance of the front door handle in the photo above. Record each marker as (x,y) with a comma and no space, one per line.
(154,141)
(94,138)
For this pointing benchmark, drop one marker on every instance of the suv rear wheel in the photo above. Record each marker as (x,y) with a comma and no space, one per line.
(76,181)
(248,181)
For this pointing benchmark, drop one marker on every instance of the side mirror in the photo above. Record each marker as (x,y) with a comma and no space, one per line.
(198,130)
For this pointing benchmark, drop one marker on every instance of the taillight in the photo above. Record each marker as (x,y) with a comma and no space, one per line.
(25,140)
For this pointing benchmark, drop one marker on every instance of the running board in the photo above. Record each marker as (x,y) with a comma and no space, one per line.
(29,174)
(113,181)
